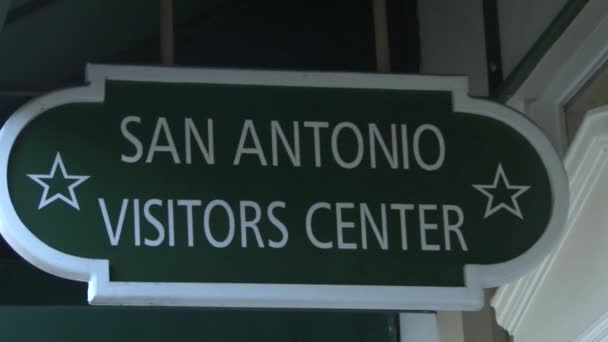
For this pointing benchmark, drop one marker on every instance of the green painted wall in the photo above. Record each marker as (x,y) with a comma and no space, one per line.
(35,306)
(105,324)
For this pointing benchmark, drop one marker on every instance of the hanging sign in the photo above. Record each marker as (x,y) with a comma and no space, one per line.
(194,187)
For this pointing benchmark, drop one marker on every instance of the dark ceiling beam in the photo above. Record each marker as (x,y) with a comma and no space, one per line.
(4,6)
(167,46)
(383,53)
(217,12)
(26,9)
(48,31)
(31,90)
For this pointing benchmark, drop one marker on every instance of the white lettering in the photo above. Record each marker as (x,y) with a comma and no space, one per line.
(154,222)
(402,208)
(440,141)
(316,127)
(191,131)
(309,233)
(366,217)
(132,139)
(292,151)
(189,204)
(391,156)
(162,125)
(425,227)
(207,223)
(249,128)
(277,223)
(453,227)
(341,225)
(252,224)
(334,145)
(113,234)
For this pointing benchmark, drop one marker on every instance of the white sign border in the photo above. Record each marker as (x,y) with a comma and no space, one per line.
(105,292)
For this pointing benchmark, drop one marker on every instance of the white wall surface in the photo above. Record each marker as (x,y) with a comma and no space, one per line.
(565,295)
(574,293)
(422,326)
(566,299)
(521,23)
(481,326)
(452,35)
(450,326)
(471,326)
(452,40)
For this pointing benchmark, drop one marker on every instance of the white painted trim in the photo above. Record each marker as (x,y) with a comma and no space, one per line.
(573,59)
(565,69)
(597,332)
(584,162)
(95,272)
(418,327)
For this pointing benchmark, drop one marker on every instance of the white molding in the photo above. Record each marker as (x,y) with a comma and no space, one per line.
(597,332)
(104,291)
(567,66)
(588,157)
(419,326)
(584,163)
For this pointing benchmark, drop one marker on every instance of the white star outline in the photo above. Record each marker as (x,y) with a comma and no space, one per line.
(490,209)
(39,178)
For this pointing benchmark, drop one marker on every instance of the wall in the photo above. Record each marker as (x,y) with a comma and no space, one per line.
(521,24)
(450,326)
(452,41)
(571,302)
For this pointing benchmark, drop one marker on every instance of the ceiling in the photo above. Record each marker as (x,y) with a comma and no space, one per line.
(45,44)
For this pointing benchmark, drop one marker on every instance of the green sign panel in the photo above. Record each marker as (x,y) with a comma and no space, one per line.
(274,189)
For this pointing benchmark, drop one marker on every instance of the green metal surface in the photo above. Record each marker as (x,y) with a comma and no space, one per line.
(89,138)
